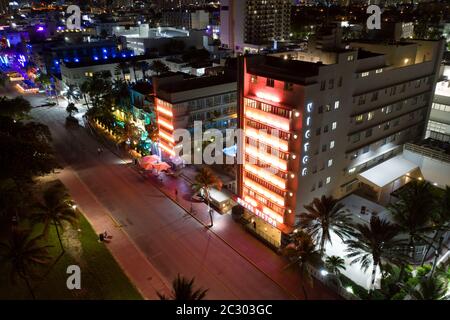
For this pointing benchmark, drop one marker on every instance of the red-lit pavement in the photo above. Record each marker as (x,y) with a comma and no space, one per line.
(225,259)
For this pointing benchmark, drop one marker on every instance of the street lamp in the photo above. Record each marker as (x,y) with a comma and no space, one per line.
(74,206)
(324,272)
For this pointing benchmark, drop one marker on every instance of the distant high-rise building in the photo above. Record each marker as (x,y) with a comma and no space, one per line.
(172,4)
(248,25)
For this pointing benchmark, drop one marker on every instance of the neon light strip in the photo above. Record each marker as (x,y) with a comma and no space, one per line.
(274,161)
(263,174)
(275,216)
(265,192)
(165,124)
(268,96)
(268,118)
(165,111)
(167,149)
(267,139)
(166,136)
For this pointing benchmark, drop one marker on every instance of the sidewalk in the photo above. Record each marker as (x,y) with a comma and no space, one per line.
(235,236)
(136,266)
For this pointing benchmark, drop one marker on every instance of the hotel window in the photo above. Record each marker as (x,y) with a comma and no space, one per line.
(253,79)
(314,170)
(322,85)
(320,184)
(336,105)
(324,147)
(362,100)
(331,84)
(331,144)
(313,187)
(403,88)
(328,180)
(387,125)
(334,126)
(398,107)
(270,82)
(370,116)
(325,129)
(414,101)
(374,96)
(364,74)
(288,86)
(330,162)
(350,58)
(396,123)
(356,137)
(351,171)
(327,108)
(368,133)
(340,82)
(318,131)
(417,83)
(320,109)
(359,118)
(393,90)
(354,156)
(366,149)
(379,71)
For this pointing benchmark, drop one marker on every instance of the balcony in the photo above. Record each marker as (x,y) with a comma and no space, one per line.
(268,119)
(274,161)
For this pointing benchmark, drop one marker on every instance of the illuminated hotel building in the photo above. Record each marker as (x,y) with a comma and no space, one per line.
(181,99)
(316,121)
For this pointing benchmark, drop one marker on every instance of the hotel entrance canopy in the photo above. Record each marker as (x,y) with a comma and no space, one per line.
(387,172)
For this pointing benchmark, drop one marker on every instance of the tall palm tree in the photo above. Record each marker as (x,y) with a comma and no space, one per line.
(370,243)
(85,89)
(440,220)
(71,109)
(335,264)
(134,64)
(183,289)
(301,253)
(323,216)
(159,67)
(429,288)
(124,68)
(24,254)
(72,94)
(55,208)
(413,212)
(204,181)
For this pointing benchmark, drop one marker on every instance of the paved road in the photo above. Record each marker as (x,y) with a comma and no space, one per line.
(171,240)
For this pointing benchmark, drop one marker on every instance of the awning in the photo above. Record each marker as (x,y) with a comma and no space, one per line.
(387,172)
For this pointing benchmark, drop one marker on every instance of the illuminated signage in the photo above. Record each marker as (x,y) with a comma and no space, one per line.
(257,212)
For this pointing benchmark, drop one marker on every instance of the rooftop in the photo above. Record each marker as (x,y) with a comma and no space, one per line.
(294,71)
(197,83)
(143,88)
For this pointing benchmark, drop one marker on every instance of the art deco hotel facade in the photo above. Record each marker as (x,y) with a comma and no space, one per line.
(336,113)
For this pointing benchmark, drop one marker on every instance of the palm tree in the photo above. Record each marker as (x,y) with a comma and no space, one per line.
(159,67)
(183,289)
(440,220)
(323,216)
(335,264)
(429,288)
(144,66)
(71,109)
(24,254)
(85,89)
(72,94)
(55,208)
(413,212)
(370,243)
(123,67)
(204,181)
(134,64)
(302,252)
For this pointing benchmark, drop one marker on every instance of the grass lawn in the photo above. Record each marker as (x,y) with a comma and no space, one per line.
(101,276)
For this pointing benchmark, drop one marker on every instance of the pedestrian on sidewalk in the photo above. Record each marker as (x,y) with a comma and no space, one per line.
(99,151)
(176,194)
